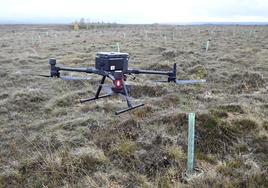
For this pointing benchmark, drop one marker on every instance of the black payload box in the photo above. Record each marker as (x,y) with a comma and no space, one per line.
(112,61)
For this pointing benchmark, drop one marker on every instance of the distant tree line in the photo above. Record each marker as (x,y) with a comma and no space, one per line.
(88,24)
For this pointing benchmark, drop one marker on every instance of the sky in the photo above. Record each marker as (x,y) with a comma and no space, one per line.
(133,11)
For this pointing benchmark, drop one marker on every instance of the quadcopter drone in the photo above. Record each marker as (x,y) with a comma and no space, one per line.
(114,65)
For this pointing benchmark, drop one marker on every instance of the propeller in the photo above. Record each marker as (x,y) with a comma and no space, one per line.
(73,78)
(181,82)
(42,75)
(64,77)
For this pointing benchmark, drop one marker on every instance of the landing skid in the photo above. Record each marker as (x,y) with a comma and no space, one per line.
(128,109)
(124,93)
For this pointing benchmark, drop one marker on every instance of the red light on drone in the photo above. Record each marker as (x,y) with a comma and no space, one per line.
(118,83)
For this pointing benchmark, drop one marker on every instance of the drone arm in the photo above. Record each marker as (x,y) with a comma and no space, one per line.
(171,74)
(136,71)
(55,70)
(86,70)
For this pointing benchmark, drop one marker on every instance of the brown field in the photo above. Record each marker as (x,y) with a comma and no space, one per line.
(48,139)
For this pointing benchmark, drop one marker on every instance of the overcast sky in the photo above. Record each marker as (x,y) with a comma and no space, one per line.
(134,11)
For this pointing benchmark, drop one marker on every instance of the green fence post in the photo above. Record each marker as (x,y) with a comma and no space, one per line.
(118,47)
(191,133)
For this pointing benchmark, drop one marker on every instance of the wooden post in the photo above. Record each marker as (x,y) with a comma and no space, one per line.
(191,133)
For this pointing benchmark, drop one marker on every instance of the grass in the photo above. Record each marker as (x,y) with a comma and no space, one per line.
(265,125)
(245,125)
(49,139)
(125,149)
(215,136)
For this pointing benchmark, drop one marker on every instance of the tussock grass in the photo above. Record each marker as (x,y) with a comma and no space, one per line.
(164,66)
(214,135)
(49,139)
(138,91)
(265,125)
(198,71)
(169,53)
(26,100)
(245,125)
(52,165)
(247,82)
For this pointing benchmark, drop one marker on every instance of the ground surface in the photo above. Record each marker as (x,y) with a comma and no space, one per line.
(48,139)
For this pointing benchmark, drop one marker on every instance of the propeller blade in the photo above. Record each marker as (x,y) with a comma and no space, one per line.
(161,81)
(73,78)
(108,90)
(181,82)
(42,75)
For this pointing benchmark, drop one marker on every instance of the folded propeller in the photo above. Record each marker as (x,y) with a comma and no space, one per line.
(68,78)
(182,82)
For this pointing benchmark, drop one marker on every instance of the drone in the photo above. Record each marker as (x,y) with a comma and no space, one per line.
(114,66)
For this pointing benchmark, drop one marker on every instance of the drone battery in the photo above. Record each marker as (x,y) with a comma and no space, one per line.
(112,61)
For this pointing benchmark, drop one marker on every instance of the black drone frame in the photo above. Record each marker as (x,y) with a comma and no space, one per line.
(118,78)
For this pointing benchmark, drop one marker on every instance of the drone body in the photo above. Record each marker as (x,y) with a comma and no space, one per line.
(114,65)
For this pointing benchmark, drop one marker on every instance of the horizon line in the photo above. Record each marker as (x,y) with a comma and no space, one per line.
(155,23)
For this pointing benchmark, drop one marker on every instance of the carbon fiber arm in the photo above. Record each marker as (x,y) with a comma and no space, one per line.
(85,70)
(171,74)
(55,70)
(136,71)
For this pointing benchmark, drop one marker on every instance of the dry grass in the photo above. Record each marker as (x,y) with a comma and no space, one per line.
(48,139)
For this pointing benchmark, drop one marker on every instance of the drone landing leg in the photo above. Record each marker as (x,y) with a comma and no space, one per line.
(97,93)
(130,107)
